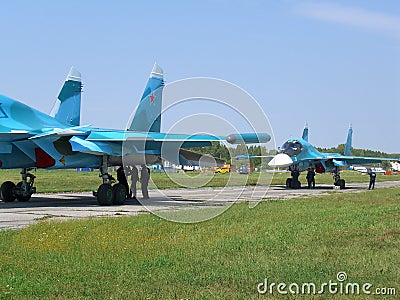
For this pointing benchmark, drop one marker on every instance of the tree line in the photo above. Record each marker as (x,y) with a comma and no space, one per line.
(228,154)
(359,152)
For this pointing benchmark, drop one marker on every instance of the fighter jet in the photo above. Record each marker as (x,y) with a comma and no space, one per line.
(31,139)
(299,154)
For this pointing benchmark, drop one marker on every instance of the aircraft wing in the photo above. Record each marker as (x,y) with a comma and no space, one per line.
(115,136)
(63,144)
(283,160)
(344,160)
(357,160)
(99,141)
(169,146)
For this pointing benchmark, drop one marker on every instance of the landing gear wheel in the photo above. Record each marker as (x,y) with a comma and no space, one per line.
(22,198)
(289,183)
(342,184)
(105,194)
(7,191)
(119,192)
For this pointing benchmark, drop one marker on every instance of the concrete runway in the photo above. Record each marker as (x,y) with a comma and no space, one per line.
(83,205)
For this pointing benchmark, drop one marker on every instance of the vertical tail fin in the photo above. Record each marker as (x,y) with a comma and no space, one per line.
(347,149)
(67,108)
(147,117)
(305,133)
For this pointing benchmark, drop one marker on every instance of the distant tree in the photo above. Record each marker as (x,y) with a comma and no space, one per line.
(216,150)
(240,149)
(386,165)
(219,150)
(273,152)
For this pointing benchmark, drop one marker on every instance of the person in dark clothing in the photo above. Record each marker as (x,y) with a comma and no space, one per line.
(372,177)
(134,179)
(311,178)
(122,179)
(295,175)
(144,180)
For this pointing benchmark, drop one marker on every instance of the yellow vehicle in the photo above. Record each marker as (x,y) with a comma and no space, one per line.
(224,169)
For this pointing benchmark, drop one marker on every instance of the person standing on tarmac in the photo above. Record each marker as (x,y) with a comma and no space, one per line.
(122,179)
(134,180)
(144,180)
(311,178)
(372,177)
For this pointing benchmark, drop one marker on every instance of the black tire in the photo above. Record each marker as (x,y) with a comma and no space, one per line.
(119,192)
(105,194)
(7,191)
(342,184)
(21,198)
(289,183)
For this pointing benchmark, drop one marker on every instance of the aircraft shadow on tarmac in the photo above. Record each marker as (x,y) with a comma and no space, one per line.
(88,201)
(58,200)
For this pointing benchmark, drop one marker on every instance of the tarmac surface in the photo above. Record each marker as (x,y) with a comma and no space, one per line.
(68,206)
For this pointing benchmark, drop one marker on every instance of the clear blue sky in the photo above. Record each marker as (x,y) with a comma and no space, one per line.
(326,63)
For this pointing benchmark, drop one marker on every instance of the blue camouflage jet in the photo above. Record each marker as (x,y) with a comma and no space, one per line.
(31,139)
(299,155)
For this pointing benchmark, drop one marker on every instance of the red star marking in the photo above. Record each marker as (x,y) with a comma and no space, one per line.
(151,98)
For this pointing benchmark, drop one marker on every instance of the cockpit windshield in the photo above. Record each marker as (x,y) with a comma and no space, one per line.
(291,148)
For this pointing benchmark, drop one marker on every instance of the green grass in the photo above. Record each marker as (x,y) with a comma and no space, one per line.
(53,181)
(144,257)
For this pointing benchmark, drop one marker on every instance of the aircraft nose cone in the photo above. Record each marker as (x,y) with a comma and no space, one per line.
(280,160)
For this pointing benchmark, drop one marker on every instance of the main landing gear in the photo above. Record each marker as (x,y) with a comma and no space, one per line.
(107,193)
(341,183)
(22,191)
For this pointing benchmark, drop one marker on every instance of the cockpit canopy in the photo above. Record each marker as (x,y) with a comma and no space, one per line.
(291,148)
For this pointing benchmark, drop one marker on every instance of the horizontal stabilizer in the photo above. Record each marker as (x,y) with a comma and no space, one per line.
(84,146)
(339,163)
